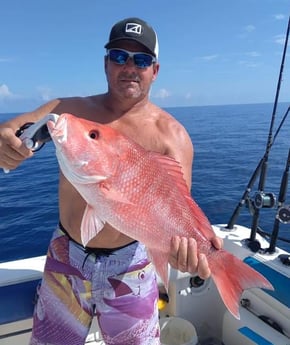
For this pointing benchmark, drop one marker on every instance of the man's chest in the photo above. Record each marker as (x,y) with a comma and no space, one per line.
(144,134)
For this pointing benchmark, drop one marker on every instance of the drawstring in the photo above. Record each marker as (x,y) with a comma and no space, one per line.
(98,252)
(83,265)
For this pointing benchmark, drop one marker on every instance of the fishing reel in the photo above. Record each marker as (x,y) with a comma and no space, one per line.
(283,214)
(264,200)
(35,134)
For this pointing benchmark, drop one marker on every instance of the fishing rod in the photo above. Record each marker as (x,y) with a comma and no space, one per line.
(283,213)
(263,164)
(253,178)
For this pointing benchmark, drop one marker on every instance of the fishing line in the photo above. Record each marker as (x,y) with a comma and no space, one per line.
(282,213)
(253,178)
(263,164)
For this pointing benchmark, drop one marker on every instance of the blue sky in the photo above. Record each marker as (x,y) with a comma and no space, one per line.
(211,51)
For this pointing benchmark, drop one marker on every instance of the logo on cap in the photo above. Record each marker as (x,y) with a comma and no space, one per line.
(133,28)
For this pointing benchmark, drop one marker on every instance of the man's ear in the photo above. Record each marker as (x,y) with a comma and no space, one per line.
(156,67)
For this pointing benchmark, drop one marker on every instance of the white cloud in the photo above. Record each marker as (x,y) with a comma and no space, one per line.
(45,93)
(248,64)
(2,59)
(280,39)
(210,57)
(279,16)
(246,30)
(12,102)
(5,92)
(253,54)
(188,95)
(249,28)
(162,93)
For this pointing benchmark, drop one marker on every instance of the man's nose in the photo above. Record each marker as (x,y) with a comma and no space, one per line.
(130,62)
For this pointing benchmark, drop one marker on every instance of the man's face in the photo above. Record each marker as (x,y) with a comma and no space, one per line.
(128,80)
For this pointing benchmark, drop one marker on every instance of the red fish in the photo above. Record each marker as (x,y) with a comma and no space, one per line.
(142,194)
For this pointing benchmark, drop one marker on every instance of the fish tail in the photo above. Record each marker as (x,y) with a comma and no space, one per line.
(232,276)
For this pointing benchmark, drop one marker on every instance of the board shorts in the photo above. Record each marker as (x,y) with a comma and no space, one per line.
(118,286)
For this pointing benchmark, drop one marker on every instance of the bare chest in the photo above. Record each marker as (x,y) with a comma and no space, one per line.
(140,127)
(145,134)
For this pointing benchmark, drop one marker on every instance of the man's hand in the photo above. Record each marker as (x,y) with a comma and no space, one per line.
(184,256)
(12,150)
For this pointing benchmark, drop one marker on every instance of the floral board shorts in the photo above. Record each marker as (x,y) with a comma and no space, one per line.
(118,286)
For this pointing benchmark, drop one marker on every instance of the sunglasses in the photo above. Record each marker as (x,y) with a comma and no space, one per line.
(121,56)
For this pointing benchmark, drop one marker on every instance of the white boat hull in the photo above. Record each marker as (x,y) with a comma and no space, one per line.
(201,305)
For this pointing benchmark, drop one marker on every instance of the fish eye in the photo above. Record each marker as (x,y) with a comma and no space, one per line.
(94,134)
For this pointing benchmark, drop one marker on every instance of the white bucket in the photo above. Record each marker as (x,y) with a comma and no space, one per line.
(177,331)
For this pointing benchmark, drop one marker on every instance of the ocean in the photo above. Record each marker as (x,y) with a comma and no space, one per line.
(229,142)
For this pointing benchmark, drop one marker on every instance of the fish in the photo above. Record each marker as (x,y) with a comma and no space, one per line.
(142,194)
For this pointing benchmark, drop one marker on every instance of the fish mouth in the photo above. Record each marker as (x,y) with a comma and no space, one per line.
(73,169)
(58,130)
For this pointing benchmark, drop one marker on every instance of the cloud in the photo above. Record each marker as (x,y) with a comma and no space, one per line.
(279,16)
(253,54)
(248,64)
(249,28)
(162,93)
(188,96)
(2,59)
(44,93)
(6,59)
(13,102)
(210,57)
(279,39)
(246,30)
(5,92)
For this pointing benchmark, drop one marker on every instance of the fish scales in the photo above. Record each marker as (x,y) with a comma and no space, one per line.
(142,194)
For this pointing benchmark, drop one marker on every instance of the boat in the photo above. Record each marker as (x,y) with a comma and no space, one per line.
(191,310)
(264,315)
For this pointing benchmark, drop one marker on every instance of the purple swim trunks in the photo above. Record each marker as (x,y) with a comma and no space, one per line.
(118,286)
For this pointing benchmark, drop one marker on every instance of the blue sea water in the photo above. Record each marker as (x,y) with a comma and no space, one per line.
(229,142)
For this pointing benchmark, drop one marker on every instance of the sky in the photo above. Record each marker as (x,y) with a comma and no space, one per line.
(212,52)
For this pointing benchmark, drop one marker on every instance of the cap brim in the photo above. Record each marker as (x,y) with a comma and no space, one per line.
(112,42)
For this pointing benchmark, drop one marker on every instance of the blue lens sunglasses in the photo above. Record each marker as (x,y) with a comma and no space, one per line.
(121,56)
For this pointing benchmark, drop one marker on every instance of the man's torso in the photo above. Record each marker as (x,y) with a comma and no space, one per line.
(145,127)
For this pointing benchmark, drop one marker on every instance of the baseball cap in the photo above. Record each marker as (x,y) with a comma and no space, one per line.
(137,30)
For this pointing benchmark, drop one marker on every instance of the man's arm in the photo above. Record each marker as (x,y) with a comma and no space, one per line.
(12,151)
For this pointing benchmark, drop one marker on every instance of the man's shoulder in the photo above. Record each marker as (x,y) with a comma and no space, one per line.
(160,115)
(76,99)
(78,105)
(168,122)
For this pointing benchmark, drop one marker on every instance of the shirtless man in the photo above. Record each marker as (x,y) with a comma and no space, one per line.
(80,282)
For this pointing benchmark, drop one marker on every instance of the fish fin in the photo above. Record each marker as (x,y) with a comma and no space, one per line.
(160,262)
(91,225)
(173,169)
(232,276)
(113,194)
(200,220)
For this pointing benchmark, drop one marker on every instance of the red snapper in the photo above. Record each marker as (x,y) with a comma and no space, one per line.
(143,195)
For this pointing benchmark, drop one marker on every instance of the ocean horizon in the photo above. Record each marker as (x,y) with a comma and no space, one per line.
(229,142)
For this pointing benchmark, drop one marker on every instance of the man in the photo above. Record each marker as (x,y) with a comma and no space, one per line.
(112,277)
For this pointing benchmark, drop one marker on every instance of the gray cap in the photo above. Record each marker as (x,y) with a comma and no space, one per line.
(137,30)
